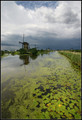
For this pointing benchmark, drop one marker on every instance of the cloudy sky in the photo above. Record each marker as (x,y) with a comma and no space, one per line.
(48,24)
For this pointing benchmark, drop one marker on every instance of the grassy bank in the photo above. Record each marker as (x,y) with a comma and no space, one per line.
(73,56)
(5,55)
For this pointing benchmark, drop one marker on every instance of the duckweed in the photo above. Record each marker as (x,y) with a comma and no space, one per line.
(48,87)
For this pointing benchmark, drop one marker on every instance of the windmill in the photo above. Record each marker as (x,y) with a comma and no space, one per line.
(25,45)
(35,46)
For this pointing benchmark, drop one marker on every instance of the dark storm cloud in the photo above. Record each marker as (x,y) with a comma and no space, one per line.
(5,44)
(12,41)
(70,17)
(59,43)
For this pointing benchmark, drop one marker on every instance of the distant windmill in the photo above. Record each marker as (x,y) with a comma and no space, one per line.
(25,45)
(34,45)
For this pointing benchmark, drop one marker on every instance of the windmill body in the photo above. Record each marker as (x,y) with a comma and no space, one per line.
(25,45)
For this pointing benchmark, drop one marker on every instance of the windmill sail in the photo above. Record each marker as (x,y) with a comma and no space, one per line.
(25,45)
(23,38)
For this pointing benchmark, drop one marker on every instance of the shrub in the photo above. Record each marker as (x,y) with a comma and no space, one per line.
(34,51)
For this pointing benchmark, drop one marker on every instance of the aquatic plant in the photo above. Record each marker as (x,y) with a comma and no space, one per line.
(49,88)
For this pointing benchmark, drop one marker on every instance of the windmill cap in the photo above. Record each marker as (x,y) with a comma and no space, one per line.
(25,43)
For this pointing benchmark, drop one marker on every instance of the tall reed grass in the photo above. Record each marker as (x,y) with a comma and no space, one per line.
(75,58)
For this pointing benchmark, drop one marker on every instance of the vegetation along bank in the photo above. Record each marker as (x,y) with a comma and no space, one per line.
(74,56)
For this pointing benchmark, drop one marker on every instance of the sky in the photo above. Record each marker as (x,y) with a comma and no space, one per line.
(48,24)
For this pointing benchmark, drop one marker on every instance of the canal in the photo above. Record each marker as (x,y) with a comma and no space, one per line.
(42,87)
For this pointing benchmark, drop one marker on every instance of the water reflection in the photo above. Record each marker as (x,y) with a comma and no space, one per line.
(25,59)
(33,57)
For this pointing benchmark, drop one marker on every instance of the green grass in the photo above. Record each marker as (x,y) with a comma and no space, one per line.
(75,58)
(75,50)
(4,55)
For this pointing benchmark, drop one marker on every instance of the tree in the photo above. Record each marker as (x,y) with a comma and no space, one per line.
(23,51)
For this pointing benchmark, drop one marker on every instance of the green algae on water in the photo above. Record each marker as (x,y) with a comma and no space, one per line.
(48,87)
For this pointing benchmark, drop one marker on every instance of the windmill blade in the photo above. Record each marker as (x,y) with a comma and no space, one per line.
(23,37)
(21,42)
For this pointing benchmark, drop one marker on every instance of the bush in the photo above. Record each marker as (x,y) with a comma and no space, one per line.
(75,50)
(34,51)
(13,53)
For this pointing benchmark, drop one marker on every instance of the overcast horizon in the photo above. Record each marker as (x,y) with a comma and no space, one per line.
(48,24)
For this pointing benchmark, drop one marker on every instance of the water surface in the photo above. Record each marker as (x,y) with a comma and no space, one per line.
(40,87)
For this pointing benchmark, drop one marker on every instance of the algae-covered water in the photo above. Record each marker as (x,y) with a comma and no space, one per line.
(40,88)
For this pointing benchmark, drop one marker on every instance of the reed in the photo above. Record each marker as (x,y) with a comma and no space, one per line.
(73,56)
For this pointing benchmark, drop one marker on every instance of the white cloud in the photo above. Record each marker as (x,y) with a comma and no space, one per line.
(64,21)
